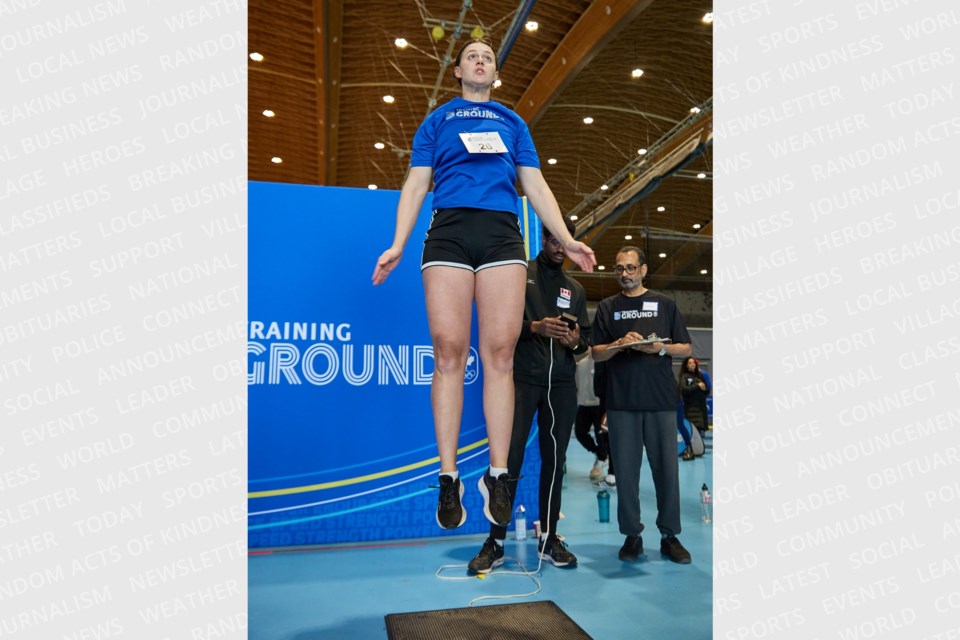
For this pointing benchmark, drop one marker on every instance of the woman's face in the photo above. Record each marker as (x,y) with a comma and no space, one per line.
(477,65)
(691,366)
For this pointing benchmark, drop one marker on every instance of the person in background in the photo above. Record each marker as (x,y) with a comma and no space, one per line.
(474,150)
(600,390)
(544,374)
(589,418)
(693,388)
(637,332)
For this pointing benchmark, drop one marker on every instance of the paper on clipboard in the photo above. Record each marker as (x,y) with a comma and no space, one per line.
(627,345)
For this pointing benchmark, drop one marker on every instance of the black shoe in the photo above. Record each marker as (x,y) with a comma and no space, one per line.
(555,551)
(497,505)
(489,558)
(687,454)
(450,511)
(671,548)
(631,549)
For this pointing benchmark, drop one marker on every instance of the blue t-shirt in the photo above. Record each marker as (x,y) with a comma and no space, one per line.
(477,180)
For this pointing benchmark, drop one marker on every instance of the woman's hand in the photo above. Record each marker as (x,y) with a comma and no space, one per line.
(386,263)
(582,255)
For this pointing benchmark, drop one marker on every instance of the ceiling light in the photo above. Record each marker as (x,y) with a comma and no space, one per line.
(696,226)
(268,113)
(663,255)
(703,272)
(388,99)
(497,83)
(276,159)
(701,175)
(478,33)
(601,268)
(531,26)
(401,43)
(573,217)
(707,18)
(379,145)
(636,73)
(552,161)
(661,209)
(372,187)
(588,120)
(694,109)
(628,237)
(256,57)
(603,187)
(641,151)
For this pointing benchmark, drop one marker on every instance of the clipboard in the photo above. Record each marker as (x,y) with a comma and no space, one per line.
(628,345)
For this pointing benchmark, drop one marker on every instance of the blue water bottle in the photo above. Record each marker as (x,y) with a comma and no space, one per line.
(603,504)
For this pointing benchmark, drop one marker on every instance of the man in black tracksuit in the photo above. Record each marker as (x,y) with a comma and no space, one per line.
(544,356)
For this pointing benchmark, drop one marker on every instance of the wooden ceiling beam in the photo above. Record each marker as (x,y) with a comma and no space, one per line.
(680,261)
(328,53)
(599,24)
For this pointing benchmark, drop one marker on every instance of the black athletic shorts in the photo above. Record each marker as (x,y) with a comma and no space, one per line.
(473,239)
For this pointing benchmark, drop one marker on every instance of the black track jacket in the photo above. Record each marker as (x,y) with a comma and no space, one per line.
(550,291)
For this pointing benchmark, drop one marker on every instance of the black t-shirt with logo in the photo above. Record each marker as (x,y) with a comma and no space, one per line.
(639,381)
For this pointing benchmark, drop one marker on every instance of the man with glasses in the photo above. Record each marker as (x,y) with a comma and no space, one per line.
(544,377)
(638,332)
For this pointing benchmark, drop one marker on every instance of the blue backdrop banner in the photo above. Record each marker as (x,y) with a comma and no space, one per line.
(341,440)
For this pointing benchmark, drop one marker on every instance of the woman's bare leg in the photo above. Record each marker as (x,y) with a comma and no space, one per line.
(499,295)
(449,296)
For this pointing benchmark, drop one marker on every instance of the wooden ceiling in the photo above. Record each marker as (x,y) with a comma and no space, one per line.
(328,64)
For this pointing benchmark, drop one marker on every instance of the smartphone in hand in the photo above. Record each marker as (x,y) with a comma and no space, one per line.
(570,320)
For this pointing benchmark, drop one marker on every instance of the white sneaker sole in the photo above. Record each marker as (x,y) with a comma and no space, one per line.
(496,563)
(549,558)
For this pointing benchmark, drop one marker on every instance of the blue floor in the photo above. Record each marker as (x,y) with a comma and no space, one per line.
(345,591)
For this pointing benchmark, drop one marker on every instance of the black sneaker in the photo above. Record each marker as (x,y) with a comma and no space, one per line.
(496,498)
(671,548)
(489,558)
(450,511)
(555,551)
(631,549)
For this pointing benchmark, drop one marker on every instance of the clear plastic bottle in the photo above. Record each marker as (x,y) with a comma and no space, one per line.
(706,504)
(520,523)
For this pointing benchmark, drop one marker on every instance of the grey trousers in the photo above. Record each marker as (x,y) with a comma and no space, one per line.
(630,432)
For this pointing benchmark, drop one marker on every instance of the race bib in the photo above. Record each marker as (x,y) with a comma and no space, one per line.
(483,142)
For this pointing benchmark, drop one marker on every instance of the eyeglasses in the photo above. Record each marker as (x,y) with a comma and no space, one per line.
(630,268)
